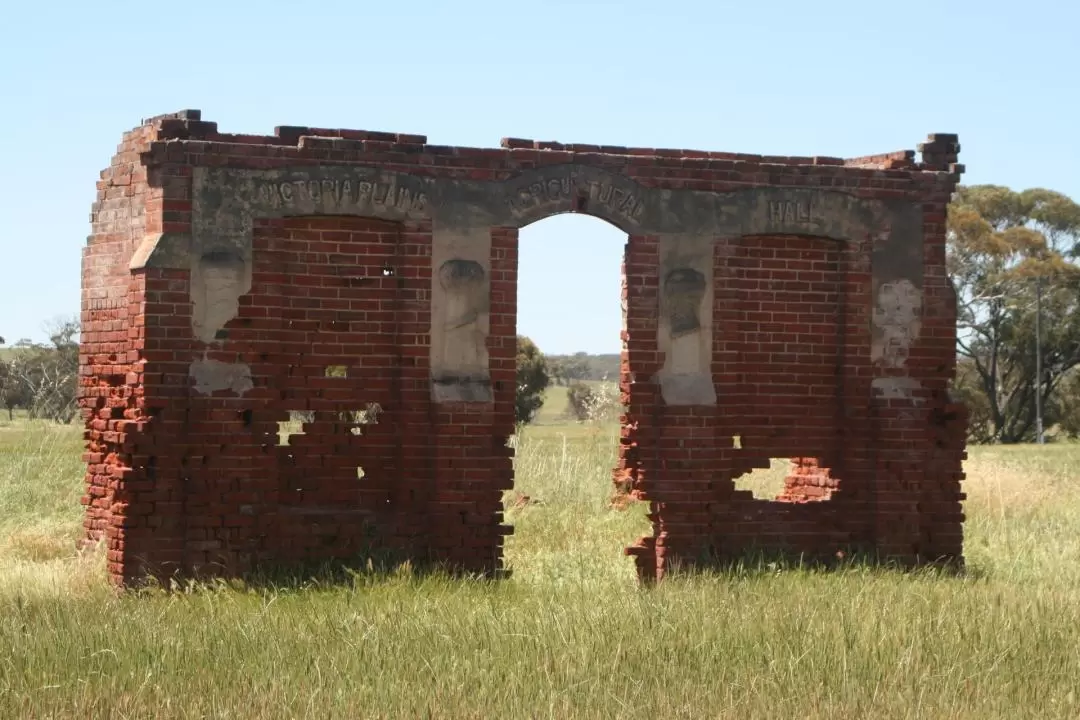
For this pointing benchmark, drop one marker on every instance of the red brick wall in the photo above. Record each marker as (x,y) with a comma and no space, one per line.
(809,480)
(329,294)
(800,336)
(110,361)
(792,295)
(185,481)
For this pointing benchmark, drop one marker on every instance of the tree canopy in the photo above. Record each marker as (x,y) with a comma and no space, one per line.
(1009,252)
(43,378)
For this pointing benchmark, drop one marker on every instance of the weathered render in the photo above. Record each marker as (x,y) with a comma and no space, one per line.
(365,283)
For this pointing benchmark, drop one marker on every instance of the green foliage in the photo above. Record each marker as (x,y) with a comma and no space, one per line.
(43,379)
(578,395)
(968,388)
(532,380)
(566,369)
(1066,405)
(1004,248)
(594,401)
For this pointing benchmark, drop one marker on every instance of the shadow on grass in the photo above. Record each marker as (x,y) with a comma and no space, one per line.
(350,574)
(761,563)
(388,569)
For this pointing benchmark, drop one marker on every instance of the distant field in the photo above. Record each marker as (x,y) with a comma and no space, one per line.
(556,405)
(570,634)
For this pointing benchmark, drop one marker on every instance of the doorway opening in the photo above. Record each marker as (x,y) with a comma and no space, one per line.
(571,309)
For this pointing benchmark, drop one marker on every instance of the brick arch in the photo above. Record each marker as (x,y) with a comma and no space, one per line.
(573,212)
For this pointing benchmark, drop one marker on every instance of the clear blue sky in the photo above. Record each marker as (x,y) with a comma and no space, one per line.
(834,77)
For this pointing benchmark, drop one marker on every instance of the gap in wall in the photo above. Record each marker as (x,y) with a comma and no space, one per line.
(569,300)
(798,479)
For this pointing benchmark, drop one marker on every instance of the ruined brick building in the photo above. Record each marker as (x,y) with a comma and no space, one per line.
(774,307)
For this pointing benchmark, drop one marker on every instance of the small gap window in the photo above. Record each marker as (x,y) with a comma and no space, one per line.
(765,483)
(294,425)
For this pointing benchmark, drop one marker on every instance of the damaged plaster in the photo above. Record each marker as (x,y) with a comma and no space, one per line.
(684,330)
(897,388)
(460,314)
(896,318)
(897,321)
(226,200)
(462,212)
(213,376)
(218,279)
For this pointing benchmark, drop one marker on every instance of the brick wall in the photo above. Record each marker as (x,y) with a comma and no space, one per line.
(252,303)
(110,360)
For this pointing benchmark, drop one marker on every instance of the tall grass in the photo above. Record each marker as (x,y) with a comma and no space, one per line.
(571,634)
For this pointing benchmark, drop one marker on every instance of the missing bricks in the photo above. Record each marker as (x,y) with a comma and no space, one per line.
(347,358)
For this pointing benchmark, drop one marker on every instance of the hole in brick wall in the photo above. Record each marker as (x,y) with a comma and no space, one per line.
(337,371)
(765,483)
(355,419)
(736,442)
(800,479)
(294,425)
(387,271)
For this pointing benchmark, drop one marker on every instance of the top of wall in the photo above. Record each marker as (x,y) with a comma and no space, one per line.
(939,152)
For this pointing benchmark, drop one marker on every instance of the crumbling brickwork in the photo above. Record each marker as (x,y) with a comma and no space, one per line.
(300,347)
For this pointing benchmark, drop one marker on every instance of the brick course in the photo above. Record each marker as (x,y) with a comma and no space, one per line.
(816,286)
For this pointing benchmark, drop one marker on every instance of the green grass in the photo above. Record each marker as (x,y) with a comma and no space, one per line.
(571,634)
(556,407)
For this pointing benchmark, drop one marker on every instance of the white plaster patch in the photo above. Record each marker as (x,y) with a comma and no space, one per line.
(213,375)
(693,388)
(897,318)
(684,327)
(897,388)
(216,286)
(460,315)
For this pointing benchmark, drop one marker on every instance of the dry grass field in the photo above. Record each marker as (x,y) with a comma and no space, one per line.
(570,634)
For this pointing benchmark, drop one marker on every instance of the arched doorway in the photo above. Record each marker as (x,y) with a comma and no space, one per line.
(571,303)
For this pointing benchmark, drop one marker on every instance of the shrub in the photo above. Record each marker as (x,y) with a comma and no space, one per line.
(532,380)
